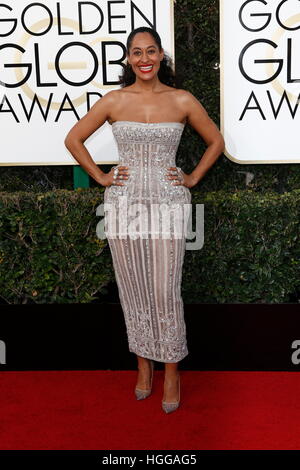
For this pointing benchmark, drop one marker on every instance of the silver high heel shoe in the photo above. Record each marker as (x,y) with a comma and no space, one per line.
(141,394)
(169,407)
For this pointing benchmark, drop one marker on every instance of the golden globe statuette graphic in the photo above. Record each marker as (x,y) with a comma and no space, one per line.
(276,84)
(259,120)
(45,102)
(80,65)
(60,87)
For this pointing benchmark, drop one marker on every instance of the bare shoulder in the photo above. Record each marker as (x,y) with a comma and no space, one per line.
(185,97)
(112,96)
(198,117)
(109,103)
(180,95)
(192,106)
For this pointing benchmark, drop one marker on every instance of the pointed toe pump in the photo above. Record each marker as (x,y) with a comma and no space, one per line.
(141,394)
(172,406)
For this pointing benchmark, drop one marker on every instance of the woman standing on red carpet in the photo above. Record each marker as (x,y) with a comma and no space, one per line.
(148,115)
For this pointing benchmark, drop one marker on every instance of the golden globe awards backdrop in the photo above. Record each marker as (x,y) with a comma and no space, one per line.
(260,77)
(57,58)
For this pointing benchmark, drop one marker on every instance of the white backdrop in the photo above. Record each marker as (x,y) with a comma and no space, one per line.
(46,82)
(267,133)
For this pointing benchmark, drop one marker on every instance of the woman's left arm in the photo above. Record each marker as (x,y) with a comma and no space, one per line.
(199,119)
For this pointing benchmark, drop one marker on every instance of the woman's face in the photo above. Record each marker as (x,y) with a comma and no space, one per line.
(144,56)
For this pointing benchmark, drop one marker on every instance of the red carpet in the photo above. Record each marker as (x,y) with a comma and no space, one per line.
(98,410)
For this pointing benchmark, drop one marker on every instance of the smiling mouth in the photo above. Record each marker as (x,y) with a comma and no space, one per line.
(146,68)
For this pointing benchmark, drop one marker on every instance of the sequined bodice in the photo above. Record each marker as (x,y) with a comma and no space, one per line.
(147,144)
(148,149)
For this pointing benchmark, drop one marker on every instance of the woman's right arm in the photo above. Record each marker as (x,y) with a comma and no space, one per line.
(86,126)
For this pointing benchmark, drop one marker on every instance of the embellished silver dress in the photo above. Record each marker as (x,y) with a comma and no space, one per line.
(145,224)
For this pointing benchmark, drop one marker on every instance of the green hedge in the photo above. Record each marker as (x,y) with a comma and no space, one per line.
(49,250)
(50,253)
(251,251)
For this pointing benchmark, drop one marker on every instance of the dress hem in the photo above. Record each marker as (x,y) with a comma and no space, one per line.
(159,360)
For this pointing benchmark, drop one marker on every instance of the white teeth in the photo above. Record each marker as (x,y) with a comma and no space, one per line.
(146,68)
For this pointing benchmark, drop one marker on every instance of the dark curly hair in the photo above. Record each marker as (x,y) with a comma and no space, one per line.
(166,71)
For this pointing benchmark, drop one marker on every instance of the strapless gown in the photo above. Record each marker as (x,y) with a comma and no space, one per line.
(148,255)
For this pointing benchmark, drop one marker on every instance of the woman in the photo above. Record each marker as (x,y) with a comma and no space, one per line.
(148,115)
